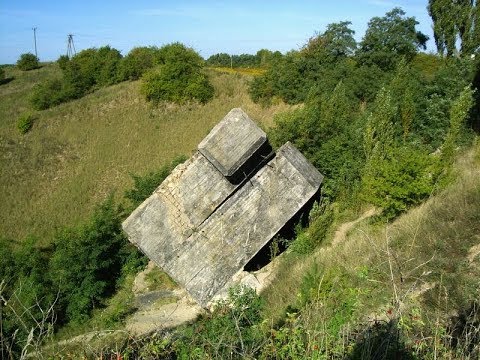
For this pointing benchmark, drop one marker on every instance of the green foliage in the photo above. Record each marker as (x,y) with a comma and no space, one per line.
(137,62)
(2,75)
(47,94)
(458,114)
(379,132)
(89,69)
(263,58)
(326,131)
(87,261)
(455,22)
(143,186)
(335,43)
(25,123)
(179,78)
(320,218)
(27,61)
(399,179)
(62,61)
(390,37)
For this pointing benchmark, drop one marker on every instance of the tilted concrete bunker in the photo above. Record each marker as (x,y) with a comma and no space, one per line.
(214,212)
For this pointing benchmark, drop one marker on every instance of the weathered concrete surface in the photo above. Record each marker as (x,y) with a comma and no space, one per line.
(232,142)
(202,229)
(161,225)
(232,235)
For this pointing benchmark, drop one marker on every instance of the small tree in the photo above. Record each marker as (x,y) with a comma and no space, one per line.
(27,62)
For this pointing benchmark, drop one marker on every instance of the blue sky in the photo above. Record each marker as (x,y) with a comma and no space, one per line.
(242,26)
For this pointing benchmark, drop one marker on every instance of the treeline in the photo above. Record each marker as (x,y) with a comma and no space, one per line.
(380,120)
(172,73)
(45,288)
(262,59)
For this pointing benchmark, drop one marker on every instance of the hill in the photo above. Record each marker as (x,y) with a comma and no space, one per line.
(79,152)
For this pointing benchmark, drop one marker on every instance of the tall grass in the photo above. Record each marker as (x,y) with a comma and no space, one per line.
(80,151)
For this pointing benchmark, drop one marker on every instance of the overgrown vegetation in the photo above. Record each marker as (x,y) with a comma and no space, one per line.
(385,125)
(27,61)
(177,76)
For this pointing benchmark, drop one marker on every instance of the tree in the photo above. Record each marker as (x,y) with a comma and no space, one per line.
(27,62)
(389,38)
(456,21)
(336,42)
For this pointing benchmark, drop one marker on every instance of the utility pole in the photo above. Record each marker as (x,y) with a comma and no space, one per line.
(35,40)
(70,46)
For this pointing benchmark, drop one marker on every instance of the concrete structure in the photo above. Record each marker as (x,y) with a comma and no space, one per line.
(218,209)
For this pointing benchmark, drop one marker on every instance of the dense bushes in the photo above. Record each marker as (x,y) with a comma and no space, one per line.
(263,58)
(27,62)
(179,78)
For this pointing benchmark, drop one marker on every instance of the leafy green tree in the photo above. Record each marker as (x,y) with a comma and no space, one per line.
(456,21)
(335,42)
(389,38)
(27,61)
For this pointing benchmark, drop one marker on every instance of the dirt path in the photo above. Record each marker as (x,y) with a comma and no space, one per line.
(341,233)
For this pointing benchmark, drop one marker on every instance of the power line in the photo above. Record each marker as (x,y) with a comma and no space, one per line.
(35,40)
(70,46)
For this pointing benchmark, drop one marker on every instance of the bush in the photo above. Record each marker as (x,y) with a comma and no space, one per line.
(63,61)
(2,75)
(179,79)
(137,62)
(25,123)
(27,61)
(401,179)
(87,262)
(48,94)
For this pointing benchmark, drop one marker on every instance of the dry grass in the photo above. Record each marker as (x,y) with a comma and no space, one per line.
(80,151)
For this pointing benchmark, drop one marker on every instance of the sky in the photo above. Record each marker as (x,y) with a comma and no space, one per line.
(210,27)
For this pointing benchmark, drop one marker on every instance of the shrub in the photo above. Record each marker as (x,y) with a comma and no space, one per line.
(25,123)
(87,262)
(402,178)
(137,62)
(48,94)
(179,79)
(63,61)
(2,75)
(27,61)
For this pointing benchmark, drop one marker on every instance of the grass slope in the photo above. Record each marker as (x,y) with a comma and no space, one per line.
(78,152)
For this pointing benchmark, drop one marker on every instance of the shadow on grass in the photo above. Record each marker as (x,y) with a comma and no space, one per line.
(465,331)
(6,80)
(380,341)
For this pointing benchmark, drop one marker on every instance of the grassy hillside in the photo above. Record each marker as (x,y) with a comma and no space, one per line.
(78,152)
